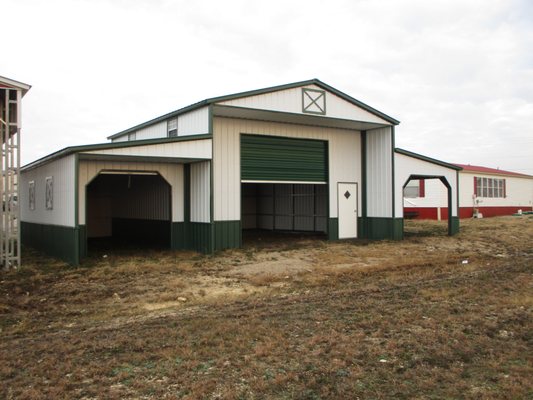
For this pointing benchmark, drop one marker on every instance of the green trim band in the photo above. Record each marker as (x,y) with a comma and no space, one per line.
(428,159)
(256,92)
(228,235)
(104,146)
(333,229)
(62,242)
(376,228)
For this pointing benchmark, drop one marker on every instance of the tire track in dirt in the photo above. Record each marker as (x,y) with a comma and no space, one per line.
(269,306)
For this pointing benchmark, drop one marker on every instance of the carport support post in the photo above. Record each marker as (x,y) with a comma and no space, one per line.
(80,231)
(453,222)
(363,223)
(187,206)
(180,231)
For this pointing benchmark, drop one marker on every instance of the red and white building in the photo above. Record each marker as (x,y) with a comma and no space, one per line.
(488,191)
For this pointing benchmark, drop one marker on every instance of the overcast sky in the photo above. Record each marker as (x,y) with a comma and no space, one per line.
(458,74)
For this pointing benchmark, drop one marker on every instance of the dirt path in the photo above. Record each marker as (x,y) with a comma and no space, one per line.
(432,315)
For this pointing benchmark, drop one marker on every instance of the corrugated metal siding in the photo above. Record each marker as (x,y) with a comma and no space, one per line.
(63,212)
(142,197)
(344,150)
(290,100)
(249,207)
(123,138)
(195,122)
(268,158)
(187,149)
(298,207)
(128,197)
(379,173)
(201,192)
(155,131)
(99,214)
(406,166)
(172,173)
(283,207)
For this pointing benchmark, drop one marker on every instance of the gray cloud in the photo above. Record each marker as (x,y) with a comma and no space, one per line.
(458,74)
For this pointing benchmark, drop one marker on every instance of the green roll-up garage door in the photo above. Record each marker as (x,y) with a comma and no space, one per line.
(271,158)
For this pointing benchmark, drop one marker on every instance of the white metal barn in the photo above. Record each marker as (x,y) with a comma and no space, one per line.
(299,157)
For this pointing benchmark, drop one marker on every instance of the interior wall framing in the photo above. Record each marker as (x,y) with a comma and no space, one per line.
(132,201)
(171,172)
(285,207)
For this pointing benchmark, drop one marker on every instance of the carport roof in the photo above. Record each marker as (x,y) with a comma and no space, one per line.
(427,159)
(214,100)
(104,146)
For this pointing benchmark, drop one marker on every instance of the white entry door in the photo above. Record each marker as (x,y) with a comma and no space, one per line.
(347,199)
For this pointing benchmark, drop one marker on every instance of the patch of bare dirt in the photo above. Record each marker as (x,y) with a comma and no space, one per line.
(429,316)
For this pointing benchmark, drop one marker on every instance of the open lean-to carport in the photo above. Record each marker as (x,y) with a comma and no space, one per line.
(411,166)
(449,192)
(284,185)
(128,209)
(129,203)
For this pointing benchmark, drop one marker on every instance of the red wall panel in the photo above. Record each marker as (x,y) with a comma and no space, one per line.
(464,212)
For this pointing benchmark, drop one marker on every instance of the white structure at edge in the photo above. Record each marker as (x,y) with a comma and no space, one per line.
(11,93)
(482,190)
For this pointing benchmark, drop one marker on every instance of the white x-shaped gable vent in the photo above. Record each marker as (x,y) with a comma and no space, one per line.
(313,101)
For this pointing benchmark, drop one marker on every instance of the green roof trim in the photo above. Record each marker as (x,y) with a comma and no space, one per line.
(104,146)
(427,159)
(256,92)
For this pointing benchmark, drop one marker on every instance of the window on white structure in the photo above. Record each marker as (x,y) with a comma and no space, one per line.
(415,188)
(489,187)
(172,128)
(132,136)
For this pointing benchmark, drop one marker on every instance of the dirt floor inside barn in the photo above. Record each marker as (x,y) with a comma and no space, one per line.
(428,317)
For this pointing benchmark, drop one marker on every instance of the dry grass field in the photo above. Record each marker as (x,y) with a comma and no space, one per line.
(431,317)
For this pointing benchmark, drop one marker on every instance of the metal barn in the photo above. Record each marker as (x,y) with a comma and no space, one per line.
(301,157)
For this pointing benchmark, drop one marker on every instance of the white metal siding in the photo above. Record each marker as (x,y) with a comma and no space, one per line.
(123,138)
(155,131)
(195,122)
(379,173)
(172,173)
(201,192)
(344,159)
(187,149)
(435,195)
(406,166)
(63,212)
(290,100)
